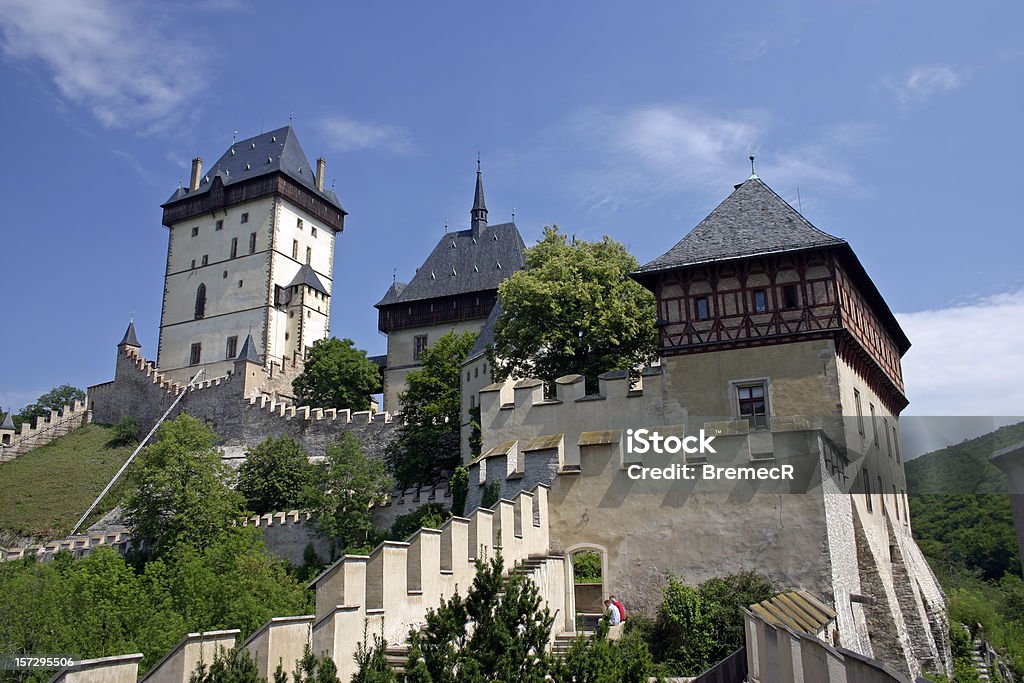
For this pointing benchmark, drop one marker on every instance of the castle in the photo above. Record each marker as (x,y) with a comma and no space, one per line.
(773,340)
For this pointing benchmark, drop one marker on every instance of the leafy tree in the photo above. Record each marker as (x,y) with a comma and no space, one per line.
(459,485)
(54,399)
(337,375)
(491,494)
(430,516)
(599,660)
(126,432)
(275,476)
(180,491)
(229,666)
(573,309)
(372,660)
(587,567)
(346,483)
(428,438)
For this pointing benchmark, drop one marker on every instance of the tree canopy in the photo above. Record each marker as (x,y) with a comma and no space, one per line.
(275,475)
(54,399)
(428,438)
(337,375)
(573,310)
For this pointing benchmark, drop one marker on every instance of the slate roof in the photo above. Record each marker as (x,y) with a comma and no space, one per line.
(307,276)
(752,221)
(462,263)
(394,293)
(486,336)
(129,338)
(8,422)
(248,352)
(277,150)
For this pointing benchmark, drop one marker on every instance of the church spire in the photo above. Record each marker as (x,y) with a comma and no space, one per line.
(478,214)
(129,338)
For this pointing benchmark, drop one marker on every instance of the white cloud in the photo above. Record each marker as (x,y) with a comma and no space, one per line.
(106,57)
(967,359)
(344,135)
(923,82)
(647,153)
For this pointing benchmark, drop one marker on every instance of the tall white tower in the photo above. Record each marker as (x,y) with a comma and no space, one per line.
(250,250)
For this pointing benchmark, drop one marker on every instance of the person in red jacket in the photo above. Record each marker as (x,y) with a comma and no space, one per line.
(622,610)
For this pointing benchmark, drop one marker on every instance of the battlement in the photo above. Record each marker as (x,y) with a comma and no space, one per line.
(305,413)
(79,545)
(44,430)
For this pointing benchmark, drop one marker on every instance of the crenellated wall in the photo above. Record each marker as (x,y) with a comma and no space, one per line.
(43,430)
(179,664)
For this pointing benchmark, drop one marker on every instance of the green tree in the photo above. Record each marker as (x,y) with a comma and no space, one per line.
(126,432)
(275,476)
(587,567)
(599,660)
(491,494)
(180,491)
(337,375)
(372,660)
(54,399)
(229,666)
(346,484)
(430,516)
(459,485)
(428,438)
(312,669)
(573,309)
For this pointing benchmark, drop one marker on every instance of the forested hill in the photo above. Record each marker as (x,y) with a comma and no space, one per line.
(963,467)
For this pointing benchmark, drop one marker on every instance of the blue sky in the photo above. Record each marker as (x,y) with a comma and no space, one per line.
(898,122)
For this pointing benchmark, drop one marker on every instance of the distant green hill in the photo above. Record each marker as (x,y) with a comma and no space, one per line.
(963,467)
(45,491)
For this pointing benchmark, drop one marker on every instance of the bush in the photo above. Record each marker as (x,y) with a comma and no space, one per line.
(459,485)
(492,494)
(431,516)
(126,432)
(275,476)
(586,567)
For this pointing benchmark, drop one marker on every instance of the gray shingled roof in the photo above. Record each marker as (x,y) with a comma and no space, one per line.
(307,276)
(752,221)
(248,352)
(486,336)
(462,263)
(394,293)
(129,338)
(8,422)
(277,150)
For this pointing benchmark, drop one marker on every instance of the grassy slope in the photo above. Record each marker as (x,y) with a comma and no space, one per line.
(45,491)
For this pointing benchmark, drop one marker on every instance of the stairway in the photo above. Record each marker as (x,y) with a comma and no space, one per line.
(981,660)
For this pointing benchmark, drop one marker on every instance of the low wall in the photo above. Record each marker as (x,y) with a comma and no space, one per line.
(45,429)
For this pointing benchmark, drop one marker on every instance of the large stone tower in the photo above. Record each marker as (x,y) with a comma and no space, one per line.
(250,249)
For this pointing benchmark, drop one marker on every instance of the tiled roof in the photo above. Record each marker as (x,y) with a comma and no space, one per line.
(129,338)
(306,276)
(394,293)
(486,336)
(752,221)
(248,352)
(277,150)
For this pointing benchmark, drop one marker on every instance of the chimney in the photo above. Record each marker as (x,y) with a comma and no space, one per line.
(197,170)
(320,166)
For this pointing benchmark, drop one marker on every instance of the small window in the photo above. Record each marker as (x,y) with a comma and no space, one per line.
(245,218)
(874,424)
(896,502)
(467,375)
(881,492)
(866,478)
(234,247)
(295,249)
(231,351)
(196,354)
(239,284)
(896,442)
(225,275)
(860,411)
(252,243)
(206,259)
(790,298)
(200,301)
(700,306)
(193,264)
(888,438)
(752,402)
(419,346)
(195,231)
(312,230)
(309,254)
(760,301)
(219,225)
(298,223)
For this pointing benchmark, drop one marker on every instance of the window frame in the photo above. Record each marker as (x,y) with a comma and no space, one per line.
(698,303)
(763,294)
(195,354)
(419,346)
(231,348)
(757,421)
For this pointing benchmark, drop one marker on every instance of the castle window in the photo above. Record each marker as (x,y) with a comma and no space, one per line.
(790,296)
(860,411)
(309,254)
(252,242)
(896,442)
(219,225)
(206,259)
(896,502)
(193,263)
(200,301)
(195,231)
(866,479)
(298,223)
(196,354)
(245,218)
(760,301)
(239,284)
(888,438)
(231,351)
(752,403)
(874,424)
(419,346)
(476,372)
(295,249)
(234,247)
(312,230)
(467,375)
(700,308)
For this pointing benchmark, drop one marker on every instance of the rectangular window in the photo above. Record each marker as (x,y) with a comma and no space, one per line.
(881,494)
(896,442)
(888,438)
(866,477)
(206,259)
(309,254)
(219,225)
(231,352)
(295,249)
(790,298)
(245,218)
(874,424)
(419,346)
(760,301)
(700,308)
(193,263)
(234,247)
(195,231)
(298,223)
(752,403)
(312,230)
(252,243)
(860,412)
(196,355)
(896,502)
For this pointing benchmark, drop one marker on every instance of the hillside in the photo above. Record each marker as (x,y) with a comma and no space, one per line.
(45,491)
(963,467)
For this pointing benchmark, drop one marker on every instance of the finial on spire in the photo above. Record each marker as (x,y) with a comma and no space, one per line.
(478,161)
(478,214)
(394,275)
(234,134)
(291,115)
(753,174)
(513,214)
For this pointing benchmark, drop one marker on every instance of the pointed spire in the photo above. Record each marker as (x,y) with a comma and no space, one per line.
(8,422)
(248,354)
(129,338)
(478,215)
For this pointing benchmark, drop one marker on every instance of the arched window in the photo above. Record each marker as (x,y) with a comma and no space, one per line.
(200,301)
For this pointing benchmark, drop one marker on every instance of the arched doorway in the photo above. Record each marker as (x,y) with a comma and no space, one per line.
(588,569)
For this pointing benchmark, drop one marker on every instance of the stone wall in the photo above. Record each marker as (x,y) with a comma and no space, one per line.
(44,430)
